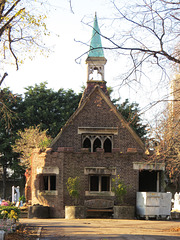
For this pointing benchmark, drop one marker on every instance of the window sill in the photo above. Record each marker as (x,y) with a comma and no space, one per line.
(106,194)
(48,193)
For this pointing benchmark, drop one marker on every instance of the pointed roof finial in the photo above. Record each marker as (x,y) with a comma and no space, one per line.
(96,49)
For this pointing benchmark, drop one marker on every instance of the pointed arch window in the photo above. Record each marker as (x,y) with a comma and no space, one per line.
(87,143)
(96,144)
(107,145)
(92,142)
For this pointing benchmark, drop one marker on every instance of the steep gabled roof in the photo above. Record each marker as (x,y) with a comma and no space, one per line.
(114,110)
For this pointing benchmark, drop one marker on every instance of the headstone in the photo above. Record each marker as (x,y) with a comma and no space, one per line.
(15,194)
(2,233)
(176,202)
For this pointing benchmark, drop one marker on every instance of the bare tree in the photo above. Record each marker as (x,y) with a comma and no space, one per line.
(145,34)
(166,147)
(166,141)
(149,31)
(22,25)
(21,28)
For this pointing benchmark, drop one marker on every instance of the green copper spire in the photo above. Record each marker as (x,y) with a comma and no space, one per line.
(96,49)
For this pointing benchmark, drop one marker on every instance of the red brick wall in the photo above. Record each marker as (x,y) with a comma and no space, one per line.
(44,160)
(96,113)
(72,164)
(67,155)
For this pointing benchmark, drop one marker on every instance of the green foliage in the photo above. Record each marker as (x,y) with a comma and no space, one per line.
(73,187)
(119,188)
(9,212)
(40,107)
(9,125)
(47,108)
(22,198)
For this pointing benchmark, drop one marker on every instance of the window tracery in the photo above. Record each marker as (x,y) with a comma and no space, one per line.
(92,142)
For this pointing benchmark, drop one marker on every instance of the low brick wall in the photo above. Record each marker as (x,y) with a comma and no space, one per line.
(175,215)
(75,212)
(124,212)
(38,212)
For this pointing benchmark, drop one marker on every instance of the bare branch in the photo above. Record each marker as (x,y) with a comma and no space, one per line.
(6,25)
(10,47)
(70,3)
(2,4)
(2,79)
(10,10)
(173,3)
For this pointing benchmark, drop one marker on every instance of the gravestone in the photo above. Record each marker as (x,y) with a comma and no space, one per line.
(15,194)
(176,201)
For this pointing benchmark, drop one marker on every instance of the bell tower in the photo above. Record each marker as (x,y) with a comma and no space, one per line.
(95,60)
(95,64)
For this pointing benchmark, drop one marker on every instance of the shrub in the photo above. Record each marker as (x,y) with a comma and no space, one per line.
(22,198)
(9,212)
(119,188)
(73,187)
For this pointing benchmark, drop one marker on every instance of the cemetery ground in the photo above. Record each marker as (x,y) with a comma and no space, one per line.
(122,229)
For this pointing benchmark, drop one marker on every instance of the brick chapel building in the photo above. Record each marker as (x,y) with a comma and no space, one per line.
(96,144)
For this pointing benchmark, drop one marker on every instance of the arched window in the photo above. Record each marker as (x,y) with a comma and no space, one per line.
(107,145)
(95,75)
(87,143)
(96,144)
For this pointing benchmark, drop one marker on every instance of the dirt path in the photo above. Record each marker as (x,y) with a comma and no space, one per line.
(106,229)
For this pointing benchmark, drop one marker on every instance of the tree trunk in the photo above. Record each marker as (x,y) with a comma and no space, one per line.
(4,182)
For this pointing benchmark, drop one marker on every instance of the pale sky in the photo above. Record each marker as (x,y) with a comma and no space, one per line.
(59,69)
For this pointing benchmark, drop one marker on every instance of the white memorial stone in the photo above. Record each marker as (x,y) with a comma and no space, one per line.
(15,194)
(2,233)
(176,202)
